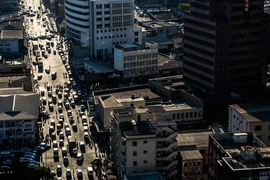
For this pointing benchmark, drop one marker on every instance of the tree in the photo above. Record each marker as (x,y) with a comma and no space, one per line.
(184,7)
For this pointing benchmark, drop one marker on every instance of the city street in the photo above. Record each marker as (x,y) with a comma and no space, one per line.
(60,98)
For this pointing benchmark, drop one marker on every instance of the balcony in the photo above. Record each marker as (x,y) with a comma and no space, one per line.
(166,147)
(166,166)
(167,156)
(171,174)
(168,138)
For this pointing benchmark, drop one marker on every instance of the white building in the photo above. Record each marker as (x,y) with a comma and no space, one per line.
(141,145)
(100,25)
(251,117)
(18,116)
(136,60)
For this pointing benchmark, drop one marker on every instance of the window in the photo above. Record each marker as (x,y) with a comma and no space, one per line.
(268,137)
(136,40)
(136,33)
(144,142)
(185,164)
(258,128)
(198,163)
(134,143)
(145,152)
(144,162)
(134,153)
(134,163)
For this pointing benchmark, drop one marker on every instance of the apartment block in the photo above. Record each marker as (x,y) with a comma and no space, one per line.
(251,117)
(136,60)
(241,148)
(140,145)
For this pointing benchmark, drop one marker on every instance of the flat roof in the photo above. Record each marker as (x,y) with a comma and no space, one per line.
(16,84)
(191,155)
(226,141)
(198,139)
(99,66)
(132,128)
(253,112)
(127,92)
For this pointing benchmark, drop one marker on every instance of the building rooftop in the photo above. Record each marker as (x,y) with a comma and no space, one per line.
(232,142)
(6,34)
(126,92)
(249,158)
(191,155)
(253,112)
(110,101)
(198,139)
(13,100)
(160,39)
(99,66)
(132,128)
(11,25)
(145,176)
(17,81)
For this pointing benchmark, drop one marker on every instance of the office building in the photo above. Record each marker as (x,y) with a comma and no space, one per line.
(238,155)
(136,60)
(251,117)
(100,25)
(223,46)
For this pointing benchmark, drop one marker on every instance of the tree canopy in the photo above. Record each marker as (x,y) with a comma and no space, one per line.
(184,7)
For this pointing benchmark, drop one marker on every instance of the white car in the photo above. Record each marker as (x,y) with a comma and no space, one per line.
(79,157)
(79,173)
(86,135)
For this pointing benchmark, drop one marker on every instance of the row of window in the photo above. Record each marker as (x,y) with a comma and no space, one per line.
(200,68)
(73,35)
(197,59)
(141,56)
(73,30)
(99,6)
(5,45)
(200,24)
(199,50)
(78,19)
(186,164)
(141,63)
(187,115)
(192,173)
(78,25)
(201,33)
(5,50)
(196,82)
(140,70)
(135,163)
(242,26)
(77,12)
(113,36)
(77,5)
(199,76)
(135,153)
(120,29)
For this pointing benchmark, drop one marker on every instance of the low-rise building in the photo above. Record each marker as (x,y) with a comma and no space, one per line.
(251,117)
(136,60)
(18,116)
(193,153)
(238,155)
(11,38)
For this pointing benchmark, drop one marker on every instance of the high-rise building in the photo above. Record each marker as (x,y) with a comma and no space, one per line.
(100,25)
(223,46)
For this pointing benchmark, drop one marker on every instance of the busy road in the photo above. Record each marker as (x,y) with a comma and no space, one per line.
(65,132)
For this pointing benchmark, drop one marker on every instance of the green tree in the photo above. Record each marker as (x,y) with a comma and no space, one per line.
(184,7)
